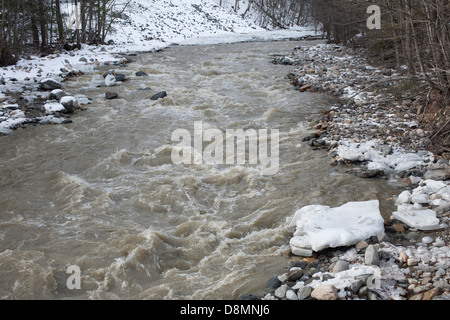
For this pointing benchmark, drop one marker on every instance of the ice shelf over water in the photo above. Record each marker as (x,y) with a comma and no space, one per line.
(319,227)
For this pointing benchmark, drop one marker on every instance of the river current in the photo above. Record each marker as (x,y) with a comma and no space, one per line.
(103,193)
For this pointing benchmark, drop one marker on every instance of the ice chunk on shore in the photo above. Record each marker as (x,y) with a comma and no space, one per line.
(404,198)
(319,227)
(381,157)
(422,219)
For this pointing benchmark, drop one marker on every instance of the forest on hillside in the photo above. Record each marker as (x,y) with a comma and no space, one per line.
(413,38)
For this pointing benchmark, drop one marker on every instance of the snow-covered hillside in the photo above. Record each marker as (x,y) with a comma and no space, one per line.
(145,24)
(175,21)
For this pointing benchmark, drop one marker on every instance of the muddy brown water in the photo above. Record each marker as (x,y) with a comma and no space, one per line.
(103,194)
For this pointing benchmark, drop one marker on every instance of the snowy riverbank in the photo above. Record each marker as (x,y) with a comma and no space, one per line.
(350,252)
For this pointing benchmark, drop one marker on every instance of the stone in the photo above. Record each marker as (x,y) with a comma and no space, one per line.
(281,291)
(340,265)
(82,99)
(427,240)
(372,295)
(159,95)
(361,245)
(291,295)
(371,256)
(440,272)
(304,292)
(310,261)
(273,283)
(117,76)
(403,257)
(305,87)
(411,262)
(416,297)
(442,284)
(298,264)
(439,174)
(69,103)
(294,275)
(355,286)
(282,277)
(49,84)
(83,59)
(111,95)
(399,227)
(445,297)
(121,77)
(57,94)
(363,291)
(325,292)
(422,288)
(435,196)
(141,74)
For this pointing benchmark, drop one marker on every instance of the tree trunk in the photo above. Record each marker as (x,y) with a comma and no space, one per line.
(59,21)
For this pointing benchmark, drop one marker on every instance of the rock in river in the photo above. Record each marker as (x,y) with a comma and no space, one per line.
(141,74)
(111,95)
(159,95)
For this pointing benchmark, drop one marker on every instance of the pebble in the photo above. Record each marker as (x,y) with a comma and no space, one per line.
(281,291)
(413,262)
(361,245)
(273,283)
(371,256)
(291,295)
(304,292)
(403,257)
(427,240)
(294,274)
(355,286)
(340,265)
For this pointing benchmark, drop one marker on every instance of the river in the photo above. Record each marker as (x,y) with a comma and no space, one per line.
(103,193)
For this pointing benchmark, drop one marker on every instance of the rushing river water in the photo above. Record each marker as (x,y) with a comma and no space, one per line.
(103,193)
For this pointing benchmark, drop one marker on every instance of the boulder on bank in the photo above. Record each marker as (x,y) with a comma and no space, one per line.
(57,94)
(49,84)
(69,103)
